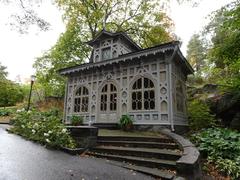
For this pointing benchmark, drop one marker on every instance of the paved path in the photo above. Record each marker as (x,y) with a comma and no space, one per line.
(25,160)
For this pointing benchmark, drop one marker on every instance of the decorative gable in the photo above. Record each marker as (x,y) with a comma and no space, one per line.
(107,45)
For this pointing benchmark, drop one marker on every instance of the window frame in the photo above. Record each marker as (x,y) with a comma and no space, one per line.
(81,94)
(142,91)
(108,92)
(108,48)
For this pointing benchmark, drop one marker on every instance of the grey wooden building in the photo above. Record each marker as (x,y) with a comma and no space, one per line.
(122,78)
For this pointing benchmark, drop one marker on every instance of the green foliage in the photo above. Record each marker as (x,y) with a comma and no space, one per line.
(7,111)
(196,53)
(3,72)
(77,120)
(224,49)
(45,128)
(195,80)
(10,93)
(126,123)
(199,115)
(143,20)
(222,147)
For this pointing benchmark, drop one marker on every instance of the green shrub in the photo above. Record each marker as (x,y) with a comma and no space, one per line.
(4,112)
(7,111)
(53,112)
(199,115)
(77,120)
(221,147)
(126,123)
(45,129)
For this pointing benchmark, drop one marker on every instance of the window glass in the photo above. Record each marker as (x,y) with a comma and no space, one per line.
(180,97)
(143,96)
(106,53)
(81,100)
(109,98)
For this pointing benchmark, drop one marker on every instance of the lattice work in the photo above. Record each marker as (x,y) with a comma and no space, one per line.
(114,51)
(81,100)
(143,94)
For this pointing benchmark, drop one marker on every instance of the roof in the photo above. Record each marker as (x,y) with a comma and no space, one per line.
(162,48)
(111,34)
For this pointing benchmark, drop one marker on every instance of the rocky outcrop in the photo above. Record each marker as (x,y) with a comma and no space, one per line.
(225,105)
(227,108)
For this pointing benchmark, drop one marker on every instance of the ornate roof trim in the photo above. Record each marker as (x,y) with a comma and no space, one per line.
(123,34)
(133,55)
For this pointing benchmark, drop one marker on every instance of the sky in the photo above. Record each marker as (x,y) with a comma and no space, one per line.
(19,51)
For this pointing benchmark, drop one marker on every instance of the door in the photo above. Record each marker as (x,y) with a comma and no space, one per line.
(108,103)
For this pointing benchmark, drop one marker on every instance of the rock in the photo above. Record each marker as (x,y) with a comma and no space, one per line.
(226,106)
(235,123)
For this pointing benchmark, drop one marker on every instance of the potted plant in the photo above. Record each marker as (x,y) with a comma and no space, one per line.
(126,123)
(77,120)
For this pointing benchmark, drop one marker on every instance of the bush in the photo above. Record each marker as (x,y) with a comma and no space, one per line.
(199,115)
(6,111)
(45,129)
(77,120)
(10,93)
(222,148)
(126,123)
(53,112)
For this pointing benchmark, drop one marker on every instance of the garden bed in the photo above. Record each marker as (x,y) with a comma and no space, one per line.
(220,150)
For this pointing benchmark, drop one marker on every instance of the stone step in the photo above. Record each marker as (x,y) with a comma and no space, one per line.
(135,138)
(140,152)
(159,145)
(139,161)
(157,173)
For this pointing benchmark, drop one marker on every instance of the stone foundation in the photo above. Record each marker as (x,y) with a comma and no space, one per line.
(86,136)
(179,129)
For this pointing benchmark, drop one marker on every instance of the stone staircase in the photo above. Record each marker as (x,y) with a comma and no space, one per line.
(155,156)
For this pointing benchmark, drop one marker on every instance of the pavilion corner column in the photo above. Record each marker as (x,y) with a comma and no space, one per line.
(170,96)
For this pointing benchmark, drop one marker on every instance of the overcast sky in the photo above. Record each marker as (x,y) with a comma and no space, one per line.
(18,51)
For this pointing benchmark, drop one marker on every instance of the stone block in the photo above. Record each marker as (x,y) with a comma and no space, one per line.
(86,136)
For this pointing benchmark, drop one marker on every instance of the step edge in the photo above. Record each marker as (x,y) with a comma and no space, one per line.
(172,153)
(173,163)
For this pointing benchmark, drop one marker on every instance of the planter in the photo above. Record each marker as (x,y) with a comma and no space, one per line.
(75,151)
(128,127)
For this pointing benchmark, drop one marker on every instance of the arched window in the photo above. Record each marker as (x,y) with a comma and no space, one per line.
(108,98)
(81,100)
(179,96)
(143,95)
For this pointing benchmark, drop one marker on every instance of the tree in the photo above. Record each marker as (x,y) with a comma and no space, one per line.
(224,50)
(26,16)
(10,93)
(3,72)
(196,53)
(143,20)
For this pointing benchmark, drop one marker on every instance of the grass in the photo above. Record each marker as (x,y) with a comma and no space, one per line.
(107,132)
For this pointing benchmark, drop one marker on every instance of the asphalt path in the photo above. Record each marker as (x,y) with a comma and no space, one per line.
(24,160)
